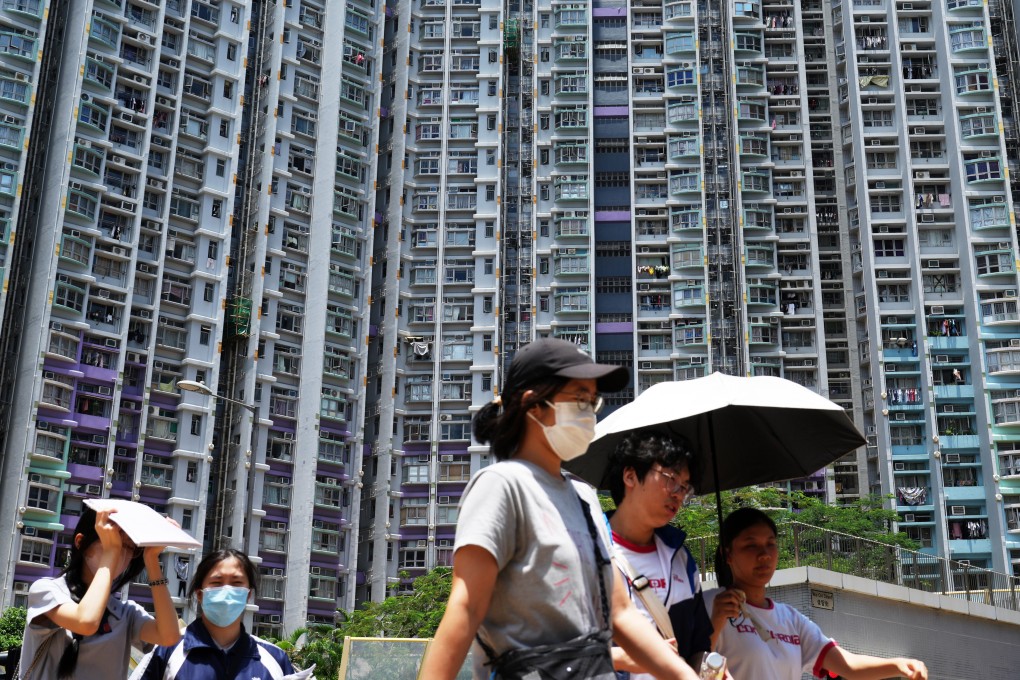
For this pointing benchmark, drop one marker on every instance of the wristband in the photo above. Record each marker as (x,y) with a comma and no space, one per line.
(158,582)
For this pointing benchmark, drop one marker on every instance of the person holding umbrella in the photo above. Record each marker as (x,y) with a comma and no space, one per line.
(768,640)
(649,478)
(532,580)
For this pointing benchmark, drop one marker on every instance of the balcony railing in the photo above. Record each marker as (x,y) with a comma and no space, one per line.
(803,545)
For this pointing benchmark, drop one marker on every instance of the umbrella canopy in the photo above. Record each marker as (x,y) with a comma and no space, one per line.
(760,429)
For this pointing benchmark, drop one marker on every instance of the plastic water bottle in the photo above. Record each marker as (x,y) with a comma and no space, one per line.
(713,666)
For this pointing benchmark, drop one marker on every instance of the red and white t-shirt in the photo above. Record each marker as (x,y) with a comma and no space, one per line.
(796,645)
(653,562)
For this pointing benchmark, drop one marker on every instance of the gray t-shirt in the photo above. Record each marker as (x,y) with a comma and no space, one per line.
(547,589)
(102,655)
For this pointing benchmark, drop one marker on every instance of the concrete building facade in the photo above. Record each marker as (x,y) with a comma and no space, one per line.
(348,216)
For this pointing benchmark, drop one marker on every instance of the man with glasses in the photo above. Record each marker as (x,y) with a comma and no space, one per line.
(649,477)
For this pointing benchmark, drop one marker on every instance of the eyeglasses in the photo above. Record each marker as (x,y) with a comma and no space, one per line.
(674,487)
(586,401)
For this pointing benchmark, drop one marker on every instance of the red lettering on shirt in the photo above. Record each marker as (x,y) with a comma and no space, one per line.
(782,637)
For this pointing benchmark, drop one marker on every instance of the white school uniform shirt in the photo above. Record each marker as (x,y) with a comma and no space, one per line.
(797,644)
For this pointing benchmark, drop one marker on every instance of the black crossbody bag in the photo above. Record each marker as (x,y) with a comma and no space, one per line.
(582,658)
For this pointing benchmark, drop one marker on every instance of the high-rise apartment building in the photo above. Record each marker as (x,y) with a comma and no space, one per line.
(344,218)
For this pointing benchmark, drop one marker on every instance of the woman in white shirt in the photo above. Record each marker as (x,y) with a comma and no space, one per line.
(747,560)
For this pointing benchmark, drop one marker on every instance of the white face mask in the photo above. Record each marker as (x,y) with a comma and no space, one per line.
(573,431)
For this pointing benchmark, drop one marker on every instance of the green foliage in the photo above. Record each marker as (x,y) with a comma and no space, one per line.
(12,627)
(414,615)
(865,518)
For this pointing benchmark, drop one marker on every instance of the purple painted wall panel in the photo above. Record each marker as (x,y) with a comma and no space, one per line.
(88,472)
(612,215)
(619,327)
(97,373)
(92,422)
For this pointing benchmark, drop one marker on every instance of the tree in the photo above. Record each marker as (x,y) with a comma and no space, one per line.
(865,518)
(12,627)
(413,615)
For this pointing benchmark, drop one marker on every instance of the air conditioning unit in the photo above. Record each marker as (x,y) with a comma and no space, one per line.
(922,174)
(952,458)
(103,293)
(30,531)
(145,313)
(957,510)
(919,131)
(890,368)
(899,467)
(21,587)
(908,517)
(443,500)
(150,458)
(948,408)
(901,416)
(134,358)
(880,185)
(697,361)
(444,543)
(92,489)
(105,390)
(941,358)
(934,264)
(938,309)
(872,429)
(927,218)
(316,570)
(1009,292)
(274,618)
(99,439)
(645,365)
(1014,342)
(276,571)
(446,457)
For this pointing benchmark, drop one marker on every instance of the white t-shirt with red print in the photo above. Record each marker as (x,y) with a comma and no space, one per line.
(796,645)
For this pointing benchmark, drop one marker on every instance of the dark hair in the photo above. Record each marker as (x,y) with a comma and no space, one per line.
(502,424)
(735,524)
(642,450)
(212,559)
(74,574)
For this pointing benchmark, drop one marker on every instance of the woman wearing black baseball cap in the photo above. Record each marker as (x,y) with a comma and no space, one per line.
(532,580)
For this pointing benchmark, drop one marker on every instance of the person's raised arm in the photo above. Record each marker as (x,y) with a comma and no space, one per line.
(863,667)
(84,617)
(164,630)
(642,643)
(474,577)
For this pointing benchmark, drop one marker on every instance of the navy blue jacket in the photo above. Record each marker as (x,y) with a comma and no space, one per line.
(206,661)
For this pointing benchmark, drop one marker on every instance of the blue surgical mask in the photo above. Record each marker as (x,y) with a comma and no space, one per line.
(224,605)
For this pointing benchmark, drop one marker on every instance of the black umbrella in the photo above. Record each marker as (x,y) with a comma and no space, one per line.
(744,431)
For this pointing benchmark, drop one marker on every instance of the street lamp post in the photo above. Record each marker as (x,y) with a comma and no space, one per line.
(224,493)
(202,388)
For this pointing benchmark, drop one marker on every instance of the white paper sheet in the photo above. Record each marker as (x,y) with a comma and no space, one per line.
(143,525)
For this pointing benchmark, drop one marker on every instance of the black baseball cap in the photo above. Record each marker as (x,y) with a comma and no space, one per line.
(549,356)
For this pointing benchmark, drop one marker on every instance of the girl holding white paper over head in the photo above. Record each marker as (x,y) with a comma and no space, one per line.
(74,628)
(767,640)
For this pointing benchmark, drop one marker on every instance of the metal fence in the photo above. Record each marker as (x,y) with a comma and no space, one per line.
(803,545)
